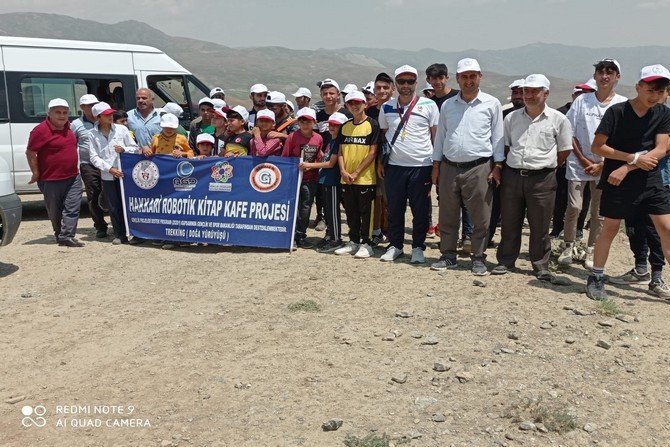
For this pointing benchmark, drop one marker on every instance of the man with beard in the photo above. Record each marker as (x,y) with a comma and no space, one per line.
(258,95)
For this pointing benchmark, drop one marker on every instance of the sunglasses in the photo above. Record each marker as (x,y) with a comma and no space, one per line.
(405,81)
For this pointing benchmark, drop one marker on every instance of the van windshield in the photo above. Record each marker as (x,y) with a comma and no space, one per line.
(184,90)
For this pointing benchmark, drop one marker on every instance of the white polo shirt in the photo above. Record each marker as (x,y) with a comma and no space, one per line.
(585,115)
(470,130)
(534,143)
(414,146)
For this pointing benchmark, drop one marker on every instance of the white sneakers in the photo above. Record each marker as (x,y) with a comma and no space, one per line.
(391,254)
(348,249)
(588,261)
(417,256)
(364,251)
(565,257)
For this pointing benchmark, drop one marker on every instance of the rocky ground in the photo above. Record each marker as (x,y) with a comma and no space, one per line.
(212,346)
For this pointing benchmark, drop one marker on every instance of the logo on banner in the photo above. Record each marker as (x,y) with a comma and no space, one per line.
(184,182)
(265,177)
(145,174)
(222,171)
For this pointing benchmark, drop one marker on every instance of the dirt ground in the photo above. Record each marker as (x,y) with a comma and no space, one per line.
(201,343)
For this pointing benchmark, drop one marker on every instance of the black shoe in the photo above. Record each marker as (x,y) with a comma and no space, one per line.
(322,243)
(302,243)
(70,242)
(595,288)
(136,241)
(101,234)
(501,269)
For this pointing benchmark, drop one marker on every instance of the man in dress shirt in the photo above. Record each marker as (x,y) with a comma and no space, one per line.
(538,139)
(144,120)
(467,161)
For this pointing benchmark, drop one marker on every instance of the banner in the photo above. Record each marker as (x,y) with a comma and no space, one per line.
(247,201)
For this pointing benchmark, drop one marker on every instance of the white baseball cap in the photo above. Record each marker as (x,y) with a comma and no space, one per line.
(265,114)
(87,99)
(467,64)
(536,81)
(218,103)
(653,72)
(240,111)
(517,83)
(102,108)
(302,91)
(369,87)
(173,108)
(258,88)
(170,121)
(306,113)
(275,97)
(290,105)
(329,83)
(337,118)
(58,102)
(349,88)
(216,90)
(614,61)
(204,138)
(355,96)
(405,69)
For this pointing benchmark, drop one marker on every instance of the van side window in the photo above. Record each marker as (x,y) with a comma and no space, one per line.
(37,92)
(168,88)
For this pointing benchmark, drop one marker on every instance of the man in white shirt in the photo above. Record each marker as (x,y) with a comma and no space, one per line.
(538,139)
(467,161)
(407,174)
(583,166)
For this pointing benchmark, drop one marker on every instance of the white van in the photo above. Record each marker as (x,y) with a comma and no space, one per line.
(33,71)
(10,206)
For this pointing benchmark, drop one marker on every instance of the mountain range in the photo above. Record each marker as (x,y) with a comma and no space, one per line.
(284,69)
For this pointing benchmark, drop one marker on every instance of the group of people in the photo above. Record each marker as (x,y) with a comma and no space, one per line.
(375,150)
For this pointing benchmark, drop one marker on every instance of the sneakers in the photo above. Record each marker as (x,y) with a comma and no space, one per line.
(500,269)
(588,261)
(565,257)
(444,263)
(595,288)
(320,225)
(136,241)
(659,288)
(392,253)
(378,239)
(349,249)
(331,246)
(432,231)
(303,243)
(101,234)
(322,243)
(119,241)
(479,268)
(632,277)
(544,275)
(364,251)
(417,256)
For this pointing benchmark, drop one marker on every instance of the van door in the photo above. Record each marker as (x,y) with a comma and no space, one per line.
(5,130)
(185,90)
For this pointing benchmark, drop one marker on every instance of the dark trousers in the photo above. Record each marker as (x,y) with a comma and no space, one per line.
(112,190)
(495,213)
(320,202)
(561,203)
(93,188)
(357,201)
(644,241)
(331,201)
(62,199)
(305,200)
(531,197)
(403,184)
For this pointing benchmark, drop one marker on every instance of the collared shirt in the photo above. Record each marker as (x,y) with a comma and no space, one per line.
(534,143)
(470,130)
(585,115)
(57,155)
(144,129)
(414,145)
(82,127)
(103,148)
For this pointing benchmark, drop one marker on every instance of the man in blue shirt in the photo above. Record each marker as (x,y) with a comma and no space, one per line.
(144,120)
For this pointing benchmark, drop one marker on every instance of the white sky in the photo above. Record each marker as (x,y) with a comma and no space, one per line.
(446,25)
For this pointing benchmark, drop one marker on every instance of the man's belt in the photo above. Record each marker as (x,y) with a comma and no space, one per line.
(467,164)
(532,172)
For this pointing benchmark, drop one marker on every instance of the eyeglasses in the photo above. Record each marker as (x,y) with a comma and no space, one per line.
(405,81)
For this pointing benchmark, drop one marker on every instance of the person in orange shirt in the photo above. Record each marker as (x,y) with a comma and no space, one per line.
(169,142)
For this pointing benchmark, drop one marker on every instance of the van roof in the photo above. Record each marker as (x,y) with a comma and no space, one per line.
(77,44)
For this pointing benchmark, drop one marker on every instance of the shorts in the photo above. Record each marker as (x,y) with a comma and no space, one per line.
(622,204)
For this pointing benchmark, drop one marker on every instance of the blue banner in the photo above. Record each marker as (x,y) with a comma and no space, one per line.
(247,201)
